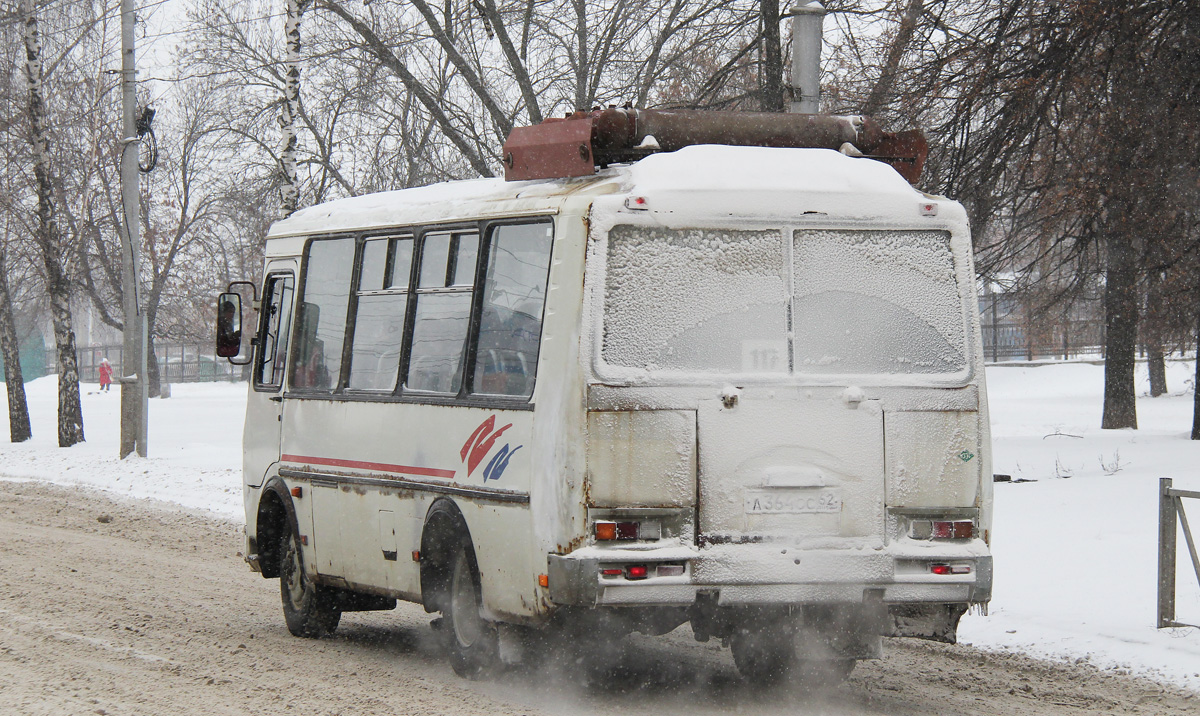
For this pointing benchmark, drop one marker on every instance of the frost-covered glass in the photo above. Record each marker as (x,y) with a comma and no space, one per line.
(696,300)
(876,302)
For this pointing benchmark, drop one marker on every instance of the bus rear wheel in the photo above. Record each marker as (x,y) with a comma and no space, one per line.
(474,645)
(308,608)
(764,655)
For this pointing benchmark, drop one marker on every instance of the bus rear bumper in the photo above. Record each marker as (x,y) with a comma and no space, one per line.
(761,575)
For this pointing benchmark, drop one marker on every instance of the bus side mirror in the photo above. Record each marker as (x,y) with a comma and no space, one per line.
(229,327)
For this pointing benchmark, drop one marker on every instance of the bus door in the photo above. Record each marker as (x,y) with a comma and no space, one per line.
(265,407)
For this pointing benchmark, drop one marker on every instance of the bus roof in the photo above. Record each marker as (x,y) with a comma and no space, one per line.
(761,182)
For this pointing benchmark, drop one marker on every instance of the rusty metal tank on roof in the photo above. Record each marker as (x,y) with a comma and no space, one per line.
(574,146)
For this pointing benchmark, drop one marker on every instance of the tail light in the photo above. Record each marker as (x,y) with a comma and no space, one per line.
(607,530)
(941,529)
(642,571)
(950,568)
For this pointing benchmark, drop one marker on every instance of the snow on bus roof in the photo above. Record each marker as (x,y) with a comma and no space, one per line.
(764,181)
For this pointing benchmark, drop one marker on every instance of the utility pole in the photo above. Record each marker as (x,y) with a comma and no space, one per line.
(134,396)
(808,26)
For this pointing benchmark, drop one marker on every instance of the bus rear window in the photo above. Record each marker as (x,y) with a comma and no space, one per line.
(692,301)
(876,302)
(695,300)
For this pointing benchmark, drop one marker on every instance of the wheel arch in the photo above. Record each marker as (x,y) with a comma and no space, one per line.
(276,518)
(444,530)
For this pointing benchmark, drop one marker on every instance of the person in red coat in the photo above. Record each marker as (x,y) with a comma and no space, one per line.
(105,374)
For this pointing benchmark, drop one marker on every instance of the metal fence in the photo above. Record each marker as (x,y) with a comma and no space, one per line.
(1014,330)
(1067,339)
(1170,512)
(177,363)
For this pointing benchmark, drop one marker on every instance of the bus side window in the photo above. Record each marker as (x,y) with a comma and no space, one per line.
(321,317)
(379,318)
(310,370)
(445,286)
(277,324)
(514,295)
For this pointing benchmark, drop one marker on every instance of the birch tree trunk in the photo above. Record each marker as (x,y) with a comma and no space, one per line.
(70,416)
(18,410)
(290,189)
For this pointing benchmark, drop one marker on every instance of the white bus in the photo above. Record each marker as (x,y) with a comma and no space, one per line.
(736,387)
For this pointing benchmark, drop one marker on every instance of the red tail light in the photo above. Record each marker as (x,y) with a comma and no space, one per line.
(950,568)
(637,571)
(958,529)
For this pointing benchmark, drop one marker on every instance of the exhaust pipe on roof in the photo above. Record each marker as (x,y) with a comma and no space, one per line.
(574,146)
(808,29)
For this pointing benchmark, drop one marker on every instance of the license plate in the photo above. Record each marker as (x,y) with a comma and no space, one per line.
(792,502)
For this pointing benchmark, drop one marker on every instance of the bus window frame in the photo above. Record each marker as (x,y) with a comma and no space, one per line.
(464,398)
(256,368)
(392,238)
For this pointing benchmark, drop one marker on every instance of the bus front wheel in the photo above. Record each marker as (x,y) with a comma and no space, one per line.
(474,646)
(308,609)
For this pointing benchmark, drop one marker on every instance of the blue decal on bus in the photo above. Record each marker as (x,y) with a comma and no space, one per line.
(498,464)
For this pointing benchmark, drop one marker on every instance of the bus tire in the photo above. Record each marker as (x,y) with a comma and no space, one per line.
(763,655)
(308,608)
(473,641)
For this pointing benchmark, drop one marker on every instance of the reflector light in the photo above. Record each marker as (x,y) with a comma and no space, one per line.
(920,529)
(297,492)
(543,580)
(637,571)
(960,529)
(940,569)
(670,570)
(612,572)
(606,530)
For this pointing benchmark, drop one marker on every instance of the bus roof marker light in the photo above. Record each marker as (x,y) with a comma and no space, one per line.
(636,203)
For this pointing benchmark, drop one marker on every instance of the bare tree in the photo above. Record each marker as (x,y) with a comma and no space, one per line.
(18,409)
(54,255)
(290,107)
(19,429)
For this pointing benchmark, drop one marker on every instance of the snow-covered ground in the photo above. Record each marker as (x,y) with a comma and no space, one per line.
(1075,550)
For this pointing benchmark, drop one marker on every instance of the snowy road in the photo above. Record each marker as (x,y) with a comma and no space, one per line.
(119,608)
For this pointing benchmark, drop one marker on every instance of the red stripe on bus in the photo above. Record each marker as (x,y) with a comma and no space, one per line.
(378,466)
